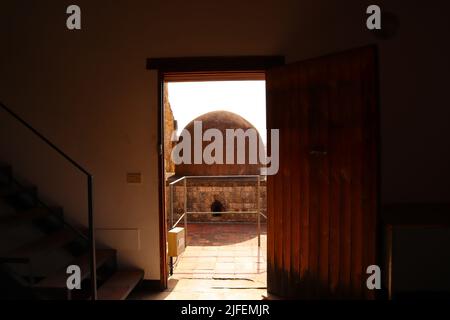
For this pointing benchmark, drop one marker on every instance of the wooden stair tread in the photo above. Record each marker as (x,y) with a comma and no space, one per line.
(120,285)
(8,191)
(6,171)
(28,215)
(44,244)
(59,278)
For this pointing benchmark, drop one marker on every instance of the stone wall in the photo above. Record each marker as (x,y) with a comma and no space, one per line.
(237,198)
(169,128)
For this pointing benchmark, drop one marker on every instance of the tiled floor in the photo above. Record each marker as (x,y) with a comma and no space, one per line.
(221,261)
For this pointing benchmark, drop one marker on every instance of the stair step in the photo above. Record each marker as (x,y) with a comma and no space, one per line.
(8,191)
(43,245)
(23,195)
(5,174)
(29,215)
(58,279)
(120,285)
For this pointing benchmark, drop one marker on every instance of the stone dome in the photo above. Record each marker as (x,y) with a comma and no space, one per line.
(220,120)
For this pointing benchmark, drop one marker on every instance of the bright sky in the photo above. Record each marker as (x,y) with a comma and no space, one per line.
(246,98)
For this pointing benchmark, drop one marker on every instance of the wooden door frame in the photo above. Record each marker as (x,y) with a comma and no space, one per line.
(204,65)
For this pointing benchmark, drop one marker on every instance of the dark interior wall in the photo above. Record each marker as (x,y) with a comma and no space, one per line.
(414,108)
(415,266)
(89,90)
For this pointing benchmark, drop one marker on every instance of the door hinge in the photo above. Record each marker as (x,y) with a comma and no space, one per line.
(160,149)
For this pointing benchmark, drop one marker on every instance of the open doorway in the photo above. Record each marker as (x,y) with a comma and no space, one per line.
(322,199)
(216,205)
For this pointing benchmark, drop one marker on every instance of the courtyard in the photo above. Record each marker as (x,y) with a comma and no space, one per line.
(222,261)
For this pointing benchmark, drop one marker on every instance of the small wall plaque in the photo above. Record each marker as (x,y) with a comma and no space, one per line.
(134,178)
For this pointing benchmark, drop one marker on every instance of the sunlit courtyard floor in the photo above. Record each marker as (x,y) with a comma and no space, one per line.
(221,261)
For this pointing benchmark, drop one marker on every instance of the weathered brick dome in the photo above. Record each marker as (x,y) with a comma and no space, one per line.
(220,120)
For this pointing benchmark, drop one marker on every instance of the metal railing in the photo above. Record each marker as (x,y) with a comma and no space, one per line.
(185,213)
(89,186)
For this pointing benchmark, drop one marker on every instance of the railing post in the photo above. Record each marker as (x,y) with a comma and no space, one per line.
(92,239)
(185,211)
(258,209)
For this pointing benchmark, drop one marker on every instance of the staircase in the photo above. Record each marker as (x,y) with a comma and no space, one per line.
(37,245)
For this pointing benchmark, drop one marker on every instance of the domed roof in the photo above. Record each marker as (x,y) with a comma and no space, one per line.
(221,120)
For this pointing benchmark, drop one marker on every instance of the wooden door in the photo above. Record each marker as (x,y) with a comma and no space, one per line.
(322,203)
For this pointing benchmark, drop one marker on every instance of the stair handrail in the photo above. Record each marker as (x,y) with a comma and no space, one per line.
(89,180)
